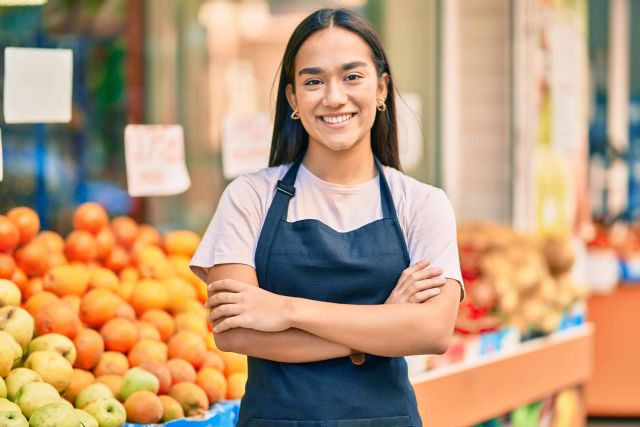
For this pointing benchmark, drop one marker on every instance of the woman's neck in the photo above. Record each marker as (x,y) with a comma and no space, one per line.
(353,166)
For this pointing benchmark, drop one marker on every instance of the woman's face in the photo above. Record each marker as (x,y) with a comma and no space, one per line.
(336,89)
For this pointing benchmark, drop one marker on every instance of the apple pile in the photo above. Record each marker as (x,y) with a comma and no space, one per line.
(105,326)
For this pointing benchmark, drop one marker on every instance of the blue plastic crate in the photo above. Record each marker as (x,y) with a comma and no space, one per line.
(222,414)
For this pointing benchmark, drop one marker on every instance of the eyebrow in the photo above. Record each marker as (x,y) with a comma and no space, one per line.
(345,67)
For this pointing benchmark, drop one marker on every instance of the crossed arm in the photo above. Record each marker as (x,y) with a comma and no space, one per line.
(252,321)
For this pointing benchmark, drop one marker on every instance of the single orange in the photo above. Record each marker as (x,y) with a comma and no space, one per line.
(91,217)
(33,304)
(125,230)
(189,346)
(53,241)
(147,295)
(213,383)
(32,258)
(181,242)
(27,221)
(117,260)
(163,322)
(68,279)
(104,278)
(81,246)
(7,266)
(98,306)
(111,363)
(9,234)
(236,384)
(181,371)
(89,346)
(106,241)
(119,335)
(57,317)
(147,350)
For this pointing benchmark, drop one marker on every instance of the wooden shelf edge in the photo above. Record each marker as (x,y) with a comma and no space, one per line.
(469,393)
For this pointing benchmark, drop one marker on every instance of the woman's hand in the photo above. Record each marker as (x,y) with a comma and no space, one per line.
(246,306)
(417,283)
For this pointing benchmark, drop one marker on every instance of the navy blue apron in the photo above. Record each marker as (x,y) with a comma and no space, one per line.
(309,259)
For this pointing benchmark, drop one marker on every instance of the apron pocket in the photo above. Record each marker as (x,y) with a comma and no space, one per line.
(257,422)
(403,421)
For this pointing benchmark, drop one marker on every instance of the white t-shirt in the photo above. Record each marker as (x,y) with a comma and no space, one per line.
(425,214)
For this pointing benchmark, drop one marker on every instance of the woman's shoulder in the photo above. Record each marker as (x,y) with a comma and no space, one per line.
(260,182)
(406,188)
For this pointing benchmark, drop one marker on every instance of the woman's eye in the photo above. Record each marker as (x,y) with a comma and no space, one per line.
(352,77)
(312,82)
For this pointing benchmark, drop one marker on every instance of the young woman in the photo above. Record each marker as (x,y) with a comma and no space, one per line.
(325,254)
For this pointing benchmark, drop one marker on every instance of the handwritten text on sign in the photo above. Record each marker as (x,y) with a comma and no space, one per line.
(155,160)
(246,141)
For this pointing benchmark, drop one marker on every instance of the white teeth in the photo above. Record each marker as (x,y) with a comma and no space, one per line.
(338,119)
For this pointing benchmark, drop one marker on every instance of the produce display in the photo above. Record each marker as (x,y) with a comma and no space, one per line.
(515,280)
(105,326)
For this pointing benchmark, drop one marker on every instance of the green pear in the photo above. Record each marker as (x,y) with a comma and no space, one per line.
(18,323)
(85,419)
(32,396)
(54,342)
(91,393)
(107,412)
(137,379)
(19,377)
(13,419)
(3,389)
(54,415)
(52,367)
(7,405)
(14,344)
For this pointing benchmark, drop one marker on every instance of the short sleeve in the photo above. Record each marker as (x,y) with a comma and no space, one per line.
(432,234)
(232,234)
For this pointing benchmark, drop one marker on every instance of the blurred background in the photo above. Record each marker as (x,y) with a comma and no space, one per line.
(526,112)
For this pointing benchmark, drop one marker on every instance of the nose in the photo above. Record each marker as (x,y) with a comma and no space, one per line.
(334,95)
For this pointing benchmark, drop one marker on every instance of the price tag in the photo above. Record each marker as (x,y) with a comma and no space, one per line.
(155,160)
(246,141)
(37,85)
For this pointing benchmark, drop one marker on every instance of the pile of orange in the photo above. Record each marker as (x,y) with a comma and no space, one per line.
(125,295)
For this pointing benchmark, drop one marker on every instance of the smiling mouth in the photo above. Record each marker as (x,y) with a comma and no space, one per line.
(334,120)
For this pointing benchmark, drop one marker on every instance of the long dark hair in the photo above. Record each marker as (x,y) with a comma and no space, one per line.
(289,136)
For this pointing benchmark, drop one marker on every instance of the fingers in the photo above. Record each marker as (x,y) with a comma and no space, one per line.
(225,310)
(222,298)
(424,274)
(229,323)
(412,269)
(226,285)
(422,296)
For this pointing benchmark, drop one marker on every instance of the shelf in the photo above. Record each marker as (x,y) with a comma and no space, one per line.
(469,393)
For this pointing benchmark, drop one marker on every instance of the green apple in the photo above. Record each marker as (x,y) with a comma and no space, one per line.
(171,409)
(85,419)
(137,379)
(32,396)
(3,389)
(7,405)
(52,367)
(13,419)
(54,415)
(18,323)
(9,293)
(107,412)
(91,393)
(19,377)
(54,342)
(14,344)
(7,356)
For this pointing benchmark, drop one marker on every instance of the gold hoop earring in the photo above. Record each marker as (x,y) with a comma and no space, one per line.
(381,106)
(295,115)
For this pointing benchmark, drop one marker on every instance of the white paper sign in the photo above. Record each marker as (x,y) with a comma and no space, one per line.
(155,160)
(410,141)
(1,164)
(246,141)
(37,85)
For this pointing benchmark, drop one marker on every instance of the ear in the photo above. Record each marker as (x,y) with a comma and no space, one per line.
(291,96)
(383,85)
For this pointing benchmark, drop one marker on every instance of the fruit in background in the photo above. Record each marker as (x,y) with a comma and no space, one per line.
(171,409)
(213,383)
(69,279)
(143,407)
(9,234)
(91,217)
(212,360)
(129,274)
(147,331)
(137,379)
(58,343)
(3,389)
(114,382)
(7,266)
(119,335)
(7,405)
(34,395)
(7,340)
(98,306)
(32,258)
(179,292)
(20,279)
(80,379)
(27,222)
(181,371)
(189,346)
(52,240)
(19,377)
(18,323)
(125,230)
(236,384)
(181,242)
(148,234)
(89,347)
(52,367)
(33,304)
(93,392)
(73,302)
(111,363)
(191,397)
(13,419)
(57,317)
(163,322)
(85,419)
(33,287)
(54,414)
(81,246)
(194,322)
(148,294)
(147,350)
(9,293)
(161,372)
(107,412)
(104,278)
(56,259)
(118,259)
(106,241)
(233,363)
